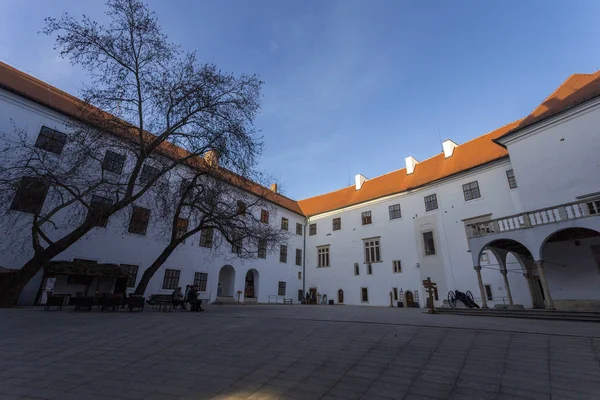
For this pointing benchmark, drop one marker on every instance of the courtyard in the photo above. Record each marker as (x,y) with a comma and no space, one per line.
(293,352)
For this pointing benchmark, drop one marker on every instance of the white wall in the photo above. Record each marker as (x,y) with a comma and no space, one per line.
(114,244)
(555,164)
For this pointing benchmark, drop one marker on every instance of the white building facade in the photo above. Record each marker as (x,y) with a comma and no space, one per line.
(512,216)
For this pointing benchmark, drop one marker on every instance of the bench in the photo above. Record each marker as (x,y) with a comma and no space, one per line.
(84,302)
(163,300)
(288,301)
(107,303)
(55,301)
(136,302)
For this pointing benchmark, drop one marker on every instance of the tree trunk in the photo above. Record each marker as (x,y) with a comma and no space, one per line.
(12,287)
(149,273)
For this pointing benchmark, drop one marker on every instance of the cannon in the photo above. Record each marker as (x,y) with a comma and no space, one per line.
(465,298)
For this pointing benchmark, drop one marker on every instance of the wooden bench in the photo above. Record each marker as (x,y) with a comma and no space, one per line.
(84,302)
(55,301)
(136,302)
(113,302)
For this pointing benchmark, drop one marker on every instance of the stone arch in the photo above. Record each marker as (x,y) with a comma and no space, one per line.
(226,286)
(251,284)
(571,233)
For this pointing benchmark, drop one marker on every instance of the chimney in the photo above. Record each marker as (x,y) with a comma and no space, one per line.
(448,146)
(274,187)
(359,180)
(212,158)
(411,164)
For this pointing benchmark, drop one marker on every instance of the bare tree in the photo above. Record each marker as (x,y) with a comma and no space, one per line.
(140,83)
(227,208)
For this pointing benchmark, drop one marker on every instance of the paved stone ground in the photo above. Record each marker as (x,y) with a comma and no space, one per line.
(293,352)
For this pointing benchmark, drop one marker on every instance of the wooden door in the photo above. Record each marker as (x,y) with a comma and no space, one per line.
(313,295)
(340,296)
(409,298)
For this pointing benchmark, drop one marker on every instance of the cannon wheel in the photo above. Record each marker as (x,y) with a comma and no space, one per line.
(470,296)
(451,299)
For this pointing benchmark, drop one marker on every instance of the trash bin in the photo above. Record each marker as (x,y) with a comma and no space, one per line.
(330,302)
(400,304)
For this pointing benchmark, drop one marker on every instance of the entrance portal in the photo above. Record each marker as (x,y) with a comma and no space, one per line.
(226,281)
(251,286)
(410,301)
(341,296)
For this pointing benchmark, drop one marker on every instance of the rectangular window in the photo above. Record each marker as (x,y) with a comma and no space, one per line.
(99,208)
(181,228)
(299,275)
(298,229)
(284,223)
(113,162)
(395,293)
(435,294)
(241,207)
(184,188)
(139,220)
(471,190)
(337,224)
(366,217)
(512,181)
(372,250)
(356,269)
(488,292)
(428,244)
(206,237)
(323,256)
(395,211)
(364,295)
(298,256)
(431,202)
(369,269)
(283,254)
(237,243)
(51,140)
(200,279)
(281,288)
(132,271)
(264,216)
(171,279)
(397,266)
(312,229)
(262,248)
(30,195)
(148,174)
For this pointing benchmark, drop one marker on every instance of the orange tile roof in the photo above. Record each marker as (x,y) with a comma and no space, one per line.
(471,154)
(576,89)
(46,95)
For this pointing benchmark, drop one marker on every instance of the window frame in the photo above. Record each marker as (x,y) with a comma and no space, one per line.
(488,293)
(425,253)
(369,269)
(312,229)
(181,228)
(22,194)
(262,248)
(264,216)
(199,281)
(323,256)
(431,200)
(117,160)
(102,222)
(171,279)
(299,257)
(356,269)
(139,223)
(366,217)
(241,207)
(237,243)
(373,243)
(131,276)
(299,229)
(283,253)
(393,212)
(285,224)
(514,179)
(364,291)
(397,266)
(48,137)
(206,240)
(336,224)
(148,173)
(471,191)
(281,288)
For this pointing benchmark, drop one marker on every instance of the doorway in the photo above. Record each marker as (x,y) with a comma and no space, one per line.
(251,285)
(313,295)
(226,281)
(410,300)
(341,296)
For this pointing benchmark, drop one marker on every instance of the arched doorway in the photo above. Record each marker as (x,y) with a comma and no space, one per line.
(226,281)
(251,284)
(571,263)
(341,296)
(410,300)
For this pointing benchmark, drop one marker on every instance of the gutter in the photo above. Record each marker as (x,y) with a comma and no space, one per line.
(304,257)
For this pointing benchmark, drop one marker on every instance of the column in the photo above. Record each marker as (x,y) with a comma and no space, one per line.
(481,289)
(507,286)
(529,285)
(540,267)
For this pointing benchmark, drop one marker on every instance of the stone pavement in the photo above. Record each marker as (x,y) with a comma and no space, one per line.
(293,352)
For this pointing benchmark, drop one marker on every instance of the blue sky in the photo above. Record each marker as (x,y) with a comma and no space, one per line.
(355,86)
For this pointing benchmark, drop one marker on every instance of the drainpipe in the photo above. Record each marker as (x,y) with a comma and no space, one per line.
(304,258)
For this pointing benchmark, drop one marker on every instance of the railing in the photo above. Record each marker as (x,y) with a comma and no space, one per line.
(530,219)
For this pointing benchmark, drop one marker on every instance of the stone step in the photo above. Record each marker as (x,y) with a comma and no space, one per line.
(589,316)
(225,300)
